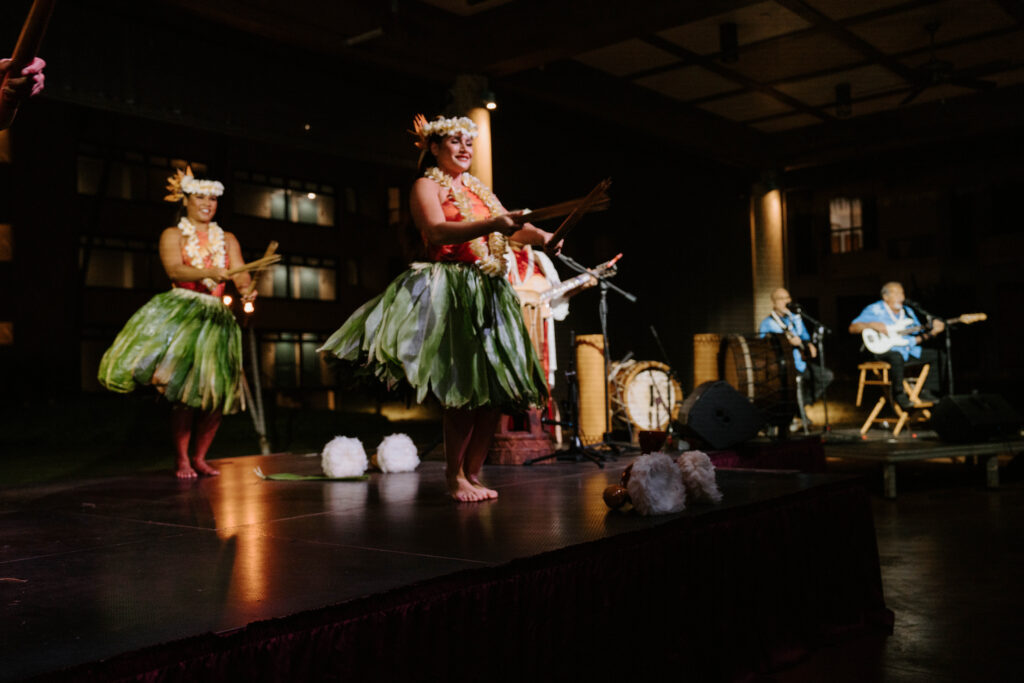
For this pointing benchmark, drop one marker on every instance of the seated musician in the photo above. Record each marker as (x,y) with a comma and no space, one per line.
(882,316)
(812,381)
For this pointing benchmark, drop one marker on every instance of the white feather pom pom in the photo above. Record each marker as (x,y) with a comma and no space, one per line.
(397,453)
(343,457)
(655,486)
(699,477)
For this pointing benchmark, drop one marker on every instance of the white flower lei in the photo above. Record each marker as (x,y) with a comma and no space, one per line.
(215,247)
(490,251)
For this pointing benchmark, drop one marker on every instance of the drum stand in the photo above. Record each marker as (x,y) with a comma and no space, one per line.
(576,451)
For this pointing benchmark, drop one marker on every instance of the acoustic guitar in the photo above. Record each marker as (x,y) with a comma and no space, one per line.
(902,333)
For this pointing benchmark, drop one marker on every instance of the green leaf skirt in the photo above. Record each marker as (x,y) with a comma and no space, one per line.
(451,330)
(186,344)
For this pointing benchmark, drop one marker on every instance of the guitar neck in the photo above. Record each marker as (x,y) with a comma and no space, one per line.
(565,287)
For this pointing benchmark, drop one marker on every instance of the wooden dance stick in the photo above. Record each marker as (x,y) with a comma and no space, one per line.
(595,196)
(271,248)
(258,264)
(32,32)
(565,208)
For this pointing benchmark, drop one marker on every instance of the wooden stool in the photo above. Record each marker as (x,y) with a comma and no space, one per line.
(913,387)
(878,369)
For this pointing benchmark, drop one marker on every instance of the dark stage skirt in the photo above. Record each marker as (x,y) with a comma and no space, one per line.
(186,344)
(449,329)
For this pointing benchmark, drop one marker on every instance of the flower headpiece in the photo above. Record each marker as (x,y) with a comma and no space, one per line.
(183,183)
(423,129)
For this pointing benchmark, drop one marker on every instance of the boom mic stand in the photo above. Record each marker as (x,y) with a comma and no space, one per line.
(604,284)
(672,375)
(820,330)
(949,339)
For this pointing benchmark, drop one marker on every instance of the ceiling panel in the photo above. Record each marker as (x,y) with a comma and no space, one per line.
(806,53)
(842,9)
(754,23)
(688,83)
(746,106)
(465,7)
(1009,47)
(627,57)
(865,80)
(786,123)
(906,31)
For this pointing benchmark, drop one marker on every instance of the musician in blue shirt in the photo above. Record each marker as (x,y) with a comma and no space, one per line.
(907,350)
(781,320)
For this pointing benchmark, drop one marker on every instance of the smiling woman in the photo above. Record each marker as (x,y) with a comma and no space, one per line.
(186,342)
(452,326)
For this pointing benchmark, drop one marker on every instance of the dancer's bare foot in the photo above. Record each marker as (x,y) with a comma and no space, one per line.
(185,470)
(463,491)
(204,467)
(489,493)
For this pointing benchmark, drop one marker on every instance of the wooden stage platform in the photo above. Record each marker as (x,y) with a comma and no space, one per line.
(924,445)
(237,578)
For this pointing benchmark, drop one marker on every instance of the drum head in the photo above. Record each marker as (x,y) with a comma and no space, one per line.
(649,395)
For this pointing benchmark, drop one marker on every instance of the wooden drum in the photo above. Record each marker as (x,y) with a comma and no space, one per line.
(645,394)
(761,368)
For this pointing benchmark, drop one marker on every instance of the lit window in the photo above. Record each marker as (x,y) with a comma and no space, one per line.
(847,226)
(6,242)
(6,333)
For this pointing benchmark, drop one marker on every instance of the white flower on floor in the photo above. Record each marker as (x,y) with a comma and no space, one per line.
(397,453)
(343,457)
(655,486)
(699,477)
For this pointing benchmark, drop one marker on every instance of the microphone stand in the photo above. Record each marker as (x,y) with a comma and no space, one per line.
(820,330)
(604,284)
(949,339)
(672,375)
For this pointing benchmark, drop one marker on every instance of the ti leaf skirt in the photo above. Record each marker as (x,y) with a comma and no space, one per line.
(451,330)
(186,344)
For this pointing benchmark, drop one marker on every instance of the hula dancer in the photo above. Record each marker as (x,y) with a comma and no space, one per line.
(186,342)
(452,326)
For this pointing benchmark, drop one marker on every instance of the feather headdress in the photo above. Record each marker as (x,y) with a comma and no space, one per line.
(184,183)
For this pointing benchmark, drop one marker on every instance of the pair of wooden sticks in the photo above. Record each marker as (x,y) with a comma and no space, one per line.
(269,258)
(596,200)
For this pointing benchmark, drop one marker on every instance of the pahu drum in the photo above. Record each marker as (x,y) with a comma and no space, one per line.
(761,368)
(645,394)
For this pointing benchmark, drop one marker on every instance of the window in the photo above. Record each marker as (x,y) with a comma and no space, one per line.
(125,264)
(6,242)
(847,225)
(124,174)
(290,360)
(295,201)
(6,333)
(301,278)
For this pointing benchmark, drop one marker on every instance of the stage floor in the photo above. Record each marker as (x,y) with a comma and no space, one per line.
(91,569)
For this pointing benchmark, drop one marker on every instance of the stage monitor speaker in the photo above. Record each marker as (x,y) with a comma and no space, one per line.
(974,417)
(720,415)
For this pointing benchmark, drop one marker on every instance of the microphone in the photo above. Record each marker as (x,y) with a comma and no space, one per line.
(796,308)
(918,307)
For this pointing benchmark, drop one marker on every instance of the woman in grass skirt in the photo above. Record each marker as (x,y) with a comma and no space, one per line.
(186,342)
(453,326)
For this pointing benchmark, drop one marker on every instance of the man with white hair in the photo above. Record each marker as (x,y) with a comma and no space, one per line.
(890,313)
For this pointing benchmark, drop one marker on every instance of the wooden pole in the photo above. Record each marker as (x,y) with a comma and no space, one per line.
(32,32)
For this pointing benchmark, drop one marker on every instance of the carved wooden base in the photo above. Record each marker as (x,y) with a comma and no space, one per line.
(519,438)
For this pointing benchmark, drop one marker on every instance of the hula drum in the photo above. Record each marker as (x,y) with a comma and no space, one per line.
(761,368)
(645,394)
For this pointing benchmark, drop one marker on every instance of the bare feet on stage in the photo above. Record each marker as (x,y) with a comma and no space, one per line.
(465,492)
(475,482)
(203,467)
(185,470)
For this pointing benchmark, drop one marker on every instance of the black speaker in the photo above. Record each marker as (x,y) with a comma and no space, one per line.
(720,415)
(974,417)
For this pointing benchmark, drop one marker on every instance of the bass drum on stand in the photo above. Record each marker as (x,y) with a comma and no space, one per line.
(761,368)
(644,394)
